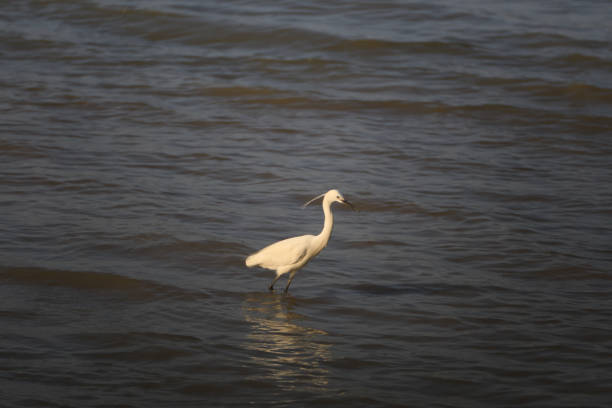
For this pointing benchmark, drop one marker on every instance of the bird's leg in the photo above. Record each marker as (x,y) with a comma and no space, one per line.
(289,282)
(271,288)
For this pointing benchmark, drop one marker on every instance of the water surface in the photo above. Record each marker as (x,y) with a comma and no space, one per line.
(148,147)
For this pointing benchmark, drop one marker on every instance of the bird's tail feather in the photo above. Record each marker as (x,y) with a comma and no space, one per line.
(252,260)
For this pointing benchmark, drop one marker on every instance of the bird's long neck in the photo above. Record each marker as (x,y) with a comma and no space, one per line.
(328,225)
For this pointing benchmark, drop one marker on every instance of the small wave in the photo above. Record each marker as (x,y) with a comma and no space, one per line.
(308,65)
(373,289)
(106,283)
(411,208)
(348,363)
(568,273)
(209,253)
(364,313)
(547,40)
(18,314)
(150,345)
(239,91)
(29,42)
(576,92)
(389,206)
(131,346)
(146,353)
(152,243)
(520,197)
(455,291)
(21,150)
(582,60)
(368,244)
(377,46)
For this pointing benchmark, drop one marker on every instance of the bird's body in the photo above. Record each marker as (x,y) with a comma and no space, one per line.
(291,254)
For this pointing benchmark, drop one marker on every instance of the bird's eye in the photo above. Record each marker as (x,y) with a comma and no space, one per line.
(338,197)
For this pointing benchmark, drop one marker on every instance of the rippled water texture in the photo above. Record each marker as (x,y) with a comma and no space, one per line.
(147,147)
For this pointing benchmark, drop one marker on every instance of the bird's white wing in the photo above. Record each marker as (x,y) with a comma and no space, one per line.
(281,253)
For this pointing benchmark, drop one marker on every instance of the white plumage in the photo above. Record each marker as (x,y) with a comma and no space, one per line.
(291,254)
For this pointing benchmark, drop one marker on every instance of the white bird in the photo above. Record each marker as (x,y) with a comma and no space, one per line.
(291,254)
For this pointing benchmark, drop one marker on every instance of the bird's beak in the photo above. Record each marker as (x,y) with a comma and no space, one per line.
(349,204)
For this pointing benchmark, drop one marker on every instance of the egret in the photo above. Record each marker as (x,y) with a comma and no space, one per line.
(291,254)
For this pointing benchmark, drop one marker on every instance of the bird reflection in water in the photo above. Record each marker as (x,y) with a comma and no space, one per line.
(292,356)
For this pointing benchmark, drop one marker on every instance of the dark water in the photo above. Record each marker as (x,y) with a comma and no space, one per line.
(147,147)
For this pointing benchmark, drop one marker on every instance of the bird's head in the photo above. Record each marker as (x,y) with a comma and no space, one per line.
(332,196)
(336,196)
